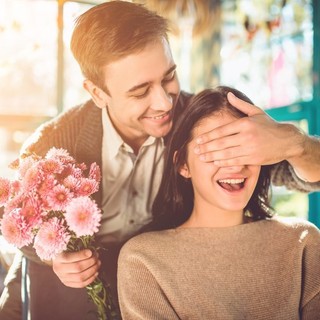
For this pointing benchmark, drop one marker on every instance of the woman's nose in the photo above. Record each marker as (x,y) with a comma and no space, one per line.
(234,169)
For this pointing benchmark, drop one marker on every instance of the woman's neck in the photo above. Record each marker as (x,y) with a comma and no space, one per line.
(214,219)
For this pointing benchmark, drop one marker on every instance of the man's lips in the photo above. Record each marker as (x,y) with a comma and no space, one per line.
(159,116)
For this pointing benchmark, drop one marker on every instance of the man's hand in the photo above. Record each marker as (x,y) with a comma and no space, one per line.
(253,140)
(260,140)
(76,269)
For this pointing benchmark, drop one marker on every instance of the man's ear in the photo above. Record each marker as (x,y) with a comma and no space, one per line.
(98,95)
(184,171)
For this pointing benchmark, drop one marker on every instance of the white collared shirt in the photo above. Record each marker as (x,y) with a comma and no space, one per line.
(130,183)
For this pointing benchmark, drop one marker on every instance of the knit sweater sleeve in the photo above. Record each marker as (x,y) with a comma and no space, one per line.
(283,174)
(60,132)
(310,299)
(140,295)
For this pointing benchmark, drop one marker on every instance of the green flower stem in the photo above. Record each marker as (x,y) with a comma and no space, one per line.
(98,292)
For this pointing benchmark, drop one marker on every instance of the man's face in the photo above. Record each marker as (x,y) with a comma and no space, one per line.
(143,90)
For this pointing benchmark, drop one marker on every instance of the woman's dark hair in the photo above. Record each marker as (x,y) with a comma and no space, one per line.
(174,202)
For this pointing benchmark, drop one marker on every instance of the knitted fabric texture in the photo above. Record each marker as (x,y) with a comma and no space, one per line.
(263,270)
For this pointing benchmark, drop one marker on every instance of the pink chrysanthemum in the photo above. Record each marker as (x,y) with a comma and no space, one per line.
(72,183)
(68,170)
(32,211)
(50,166)
(83,216)
(95,172)
(31,179)
(60,155)
(46,186)
(51,239)
(59,197)
(15,187)
(15,202)
(82,166)
(76,172)
(87,187)
(25,164)
(15,229)
(4,190)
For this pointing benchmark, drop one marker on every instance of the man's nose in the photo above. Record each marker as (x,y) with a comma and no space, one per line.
(162,100)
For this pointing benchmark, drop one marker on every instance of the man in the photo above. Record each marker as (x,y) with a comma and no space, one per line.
(123,51)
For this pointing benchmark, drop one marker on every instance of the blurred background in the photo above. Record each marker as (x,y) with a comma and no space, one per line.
(269,49)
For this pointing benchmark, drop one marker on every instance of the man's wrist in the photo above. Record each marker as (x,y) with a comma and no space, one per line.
(305,159)
(299,144)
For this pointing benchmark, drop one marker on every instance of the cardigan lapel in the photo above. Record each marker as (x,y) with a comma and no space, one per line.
(88,148)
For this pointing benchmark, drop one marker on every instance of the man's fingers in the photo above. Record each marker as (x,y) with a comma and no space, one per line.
(226,154)
(244,106)
(69,257)
(217,144)
(73,267)
(76,283)
(80,274)
(77,274)
(220,132)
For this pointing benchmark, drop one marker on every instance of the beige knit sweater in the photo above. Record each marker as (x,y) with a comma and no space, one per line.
(268,269)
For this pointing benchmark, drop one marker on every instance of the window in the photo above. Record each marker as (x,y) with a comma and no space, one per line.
(38,76)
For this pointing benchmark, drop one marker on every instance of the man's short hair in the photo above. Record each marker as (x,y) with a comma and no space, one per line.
(113,30)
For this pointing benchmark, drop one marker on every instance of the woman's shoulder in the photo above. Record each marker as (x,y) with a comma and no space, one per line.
(147,242)
(148,238)
(295,225)
(293,222)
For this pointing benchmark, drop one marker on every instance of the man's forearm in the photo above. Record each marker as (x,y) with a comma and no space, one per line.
(306,162)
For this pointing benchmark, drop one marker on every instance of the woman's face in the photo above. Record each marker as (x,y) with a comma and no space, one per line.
(218,189)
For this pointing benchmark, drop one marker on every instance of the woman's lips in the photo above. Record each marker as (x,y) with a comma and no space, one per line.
(232,184)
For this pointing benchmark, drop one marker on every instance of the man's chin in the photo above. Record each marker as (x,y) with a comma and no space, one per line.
(162,132)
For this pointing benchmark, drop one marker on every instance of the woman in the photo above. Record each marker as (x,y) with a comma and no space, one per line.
(218,252)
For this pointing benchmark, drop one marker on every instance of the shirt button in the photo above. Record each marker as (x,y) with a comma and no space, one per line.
(134,193)
(131,221)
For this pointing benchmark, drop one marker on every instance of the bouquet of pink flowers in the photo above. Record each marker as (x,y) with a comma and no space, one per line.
(49,205)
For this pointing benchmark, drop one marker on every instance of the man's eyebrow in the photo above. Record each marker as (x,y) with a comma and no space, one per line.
(144,84)
(138,86)
(171,69)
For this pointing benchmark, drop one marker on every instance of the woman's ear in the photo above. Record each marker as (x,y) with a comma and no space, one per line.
(184,171)
(98,95)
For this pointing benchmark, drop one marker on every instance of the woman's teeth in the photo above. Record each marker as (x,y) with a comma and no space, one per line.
(231,181)
(231,184)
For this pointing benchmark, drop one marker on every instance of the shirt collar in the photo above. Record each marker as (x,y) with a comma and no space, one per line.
(115,142)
